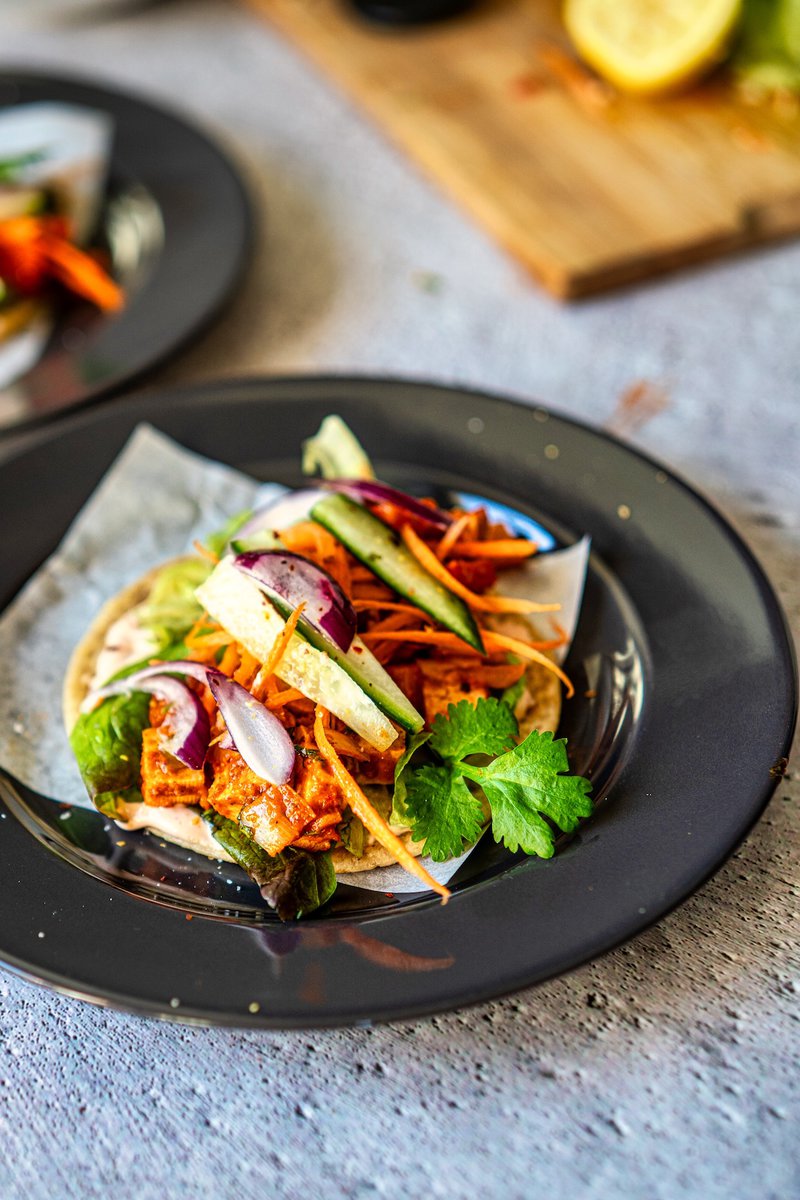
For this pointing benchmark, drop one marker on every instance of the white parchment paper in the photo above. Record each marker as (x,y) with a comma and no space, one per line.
(153,503)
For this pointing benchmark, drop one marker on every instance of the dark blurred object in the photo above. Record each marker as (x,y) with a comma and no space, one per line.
(410,12)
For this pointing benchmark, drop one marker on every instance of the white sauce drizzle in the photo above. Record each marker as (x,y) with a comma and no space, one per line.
(178,823)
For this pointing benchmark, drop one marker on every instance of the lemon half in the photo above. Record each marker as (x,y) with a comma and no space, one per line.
(651,46)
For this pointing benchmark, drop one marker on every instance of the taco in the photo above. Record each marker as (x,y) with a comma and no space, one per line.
(284,699)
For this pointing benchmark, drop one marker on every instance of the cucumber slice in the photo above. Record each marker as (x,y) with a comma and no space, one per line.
(362,666)
(241,608)
(380,548)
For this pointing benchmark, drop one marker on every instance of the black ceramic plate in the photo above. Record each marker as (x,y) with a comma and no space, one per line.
(681,641)
(176,223)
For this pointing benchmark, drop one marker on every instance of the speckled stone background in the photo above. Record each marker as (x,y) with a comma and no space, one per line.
(668,1069)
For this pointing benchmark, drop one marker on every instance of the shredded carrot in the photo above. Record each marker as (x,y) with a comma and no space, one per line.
(279,699)
(362,808)
(361,575)
(527,650)
(216,638)
(492,641)
(451,536)
(338,566)
(281,643)
(248,667)
(360,591)
(230,659)
(204,552)
(477,674)
(494,548)
(425,637)
(206,647)
(78,271)
(396,620)
(35,247)
(204,621)
(495,604)
(391,606)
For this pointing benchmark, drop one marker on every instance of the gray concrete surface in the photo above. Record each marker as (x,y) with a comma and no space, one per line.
(667,1069)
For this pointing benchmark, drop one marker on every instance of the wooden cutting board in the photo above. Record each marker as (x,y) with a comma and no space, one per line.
(587,189)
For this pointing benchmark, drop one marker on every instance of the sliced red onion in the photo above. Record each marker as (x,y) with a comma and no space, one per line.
(257,733)
(280,513)
(294,579)
(188,719)
(380,493)
(180,666)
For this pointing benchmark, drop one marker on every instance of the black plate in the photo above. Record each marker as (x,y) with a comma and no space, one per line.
(681,640)
(177,224)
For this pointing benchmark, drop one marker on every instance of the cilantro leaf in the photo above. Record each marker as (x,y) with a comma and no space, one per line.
(527,784)
(488,727)
(443,811)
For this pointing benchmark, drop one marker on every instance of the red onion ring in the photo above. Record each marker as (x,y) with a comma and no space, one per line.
(381,493)
(188,720)
(294,580)
(257,733)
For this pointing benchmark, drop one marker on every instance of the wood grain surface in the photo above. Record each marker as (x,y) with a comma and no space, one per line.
(586,188)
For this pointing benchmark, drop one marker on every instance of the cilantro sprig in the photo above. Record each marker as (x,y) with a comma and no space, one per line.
(524,787)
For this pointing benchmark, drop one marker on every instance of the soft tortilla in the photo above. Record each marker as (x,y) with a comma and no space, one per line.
(539,707)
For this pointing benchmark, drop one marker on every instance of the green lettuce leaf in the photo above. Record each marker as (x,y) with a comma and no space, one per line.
(336,453)
(107,744)
(353,833)
(171,609)
(400,814)
(294,883)
(217,542)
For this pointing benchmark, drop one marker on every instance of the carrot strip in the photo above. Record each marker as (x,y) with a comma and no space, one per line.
(202,622)
(452,534)
(425,637)
(360,591)
(279,699)
(230,659)
(391,606)
(204,552)
(248,667)
(492,641)
(282,641)
(495,604)
(494,548)
(395,620)
(362,808)
(527,650)
(80,273)
(217,638)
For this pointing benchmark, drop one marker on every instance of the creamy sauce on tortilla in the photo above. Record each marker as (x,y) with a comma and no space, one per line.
(126,642)
(179,824)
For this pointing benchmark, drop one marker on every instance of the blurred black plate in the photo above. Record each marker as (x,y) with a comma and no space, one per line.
(682,649)
(177,224)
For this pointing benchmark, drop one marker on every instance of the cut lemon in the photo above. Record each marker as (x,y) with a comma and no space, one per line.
(651,46)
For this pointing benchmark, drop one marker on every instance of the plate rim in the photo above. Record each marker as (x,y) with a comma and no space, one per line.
(251,389)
